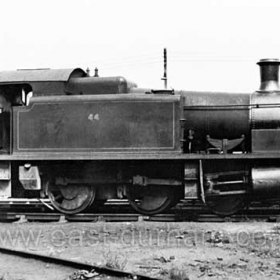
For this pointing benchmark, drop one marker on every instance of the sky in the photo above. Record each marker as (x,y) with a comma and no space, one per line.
(211,45)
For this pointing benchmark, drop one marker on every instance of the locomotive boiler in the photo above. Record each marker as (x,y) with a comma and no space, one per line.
(81,140)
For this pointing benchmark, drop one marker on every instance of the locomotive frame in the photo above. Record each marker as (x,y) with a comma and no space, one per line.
(81,139)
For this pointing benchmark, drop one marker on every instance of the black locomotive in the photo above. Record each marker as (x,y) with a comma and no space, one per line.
(82,140)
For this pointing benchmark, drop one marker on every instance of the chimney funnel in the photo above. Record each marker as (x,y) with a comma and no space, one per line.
(269,69)
(96,72)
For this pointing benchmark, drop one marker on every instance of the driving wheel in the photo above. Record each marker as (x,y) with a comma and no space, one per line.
(71,199)
(226,205)
(150,200)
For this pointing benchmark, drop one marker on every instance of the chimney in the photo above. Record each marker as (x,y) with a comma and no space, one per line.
(96,72)
(269,69)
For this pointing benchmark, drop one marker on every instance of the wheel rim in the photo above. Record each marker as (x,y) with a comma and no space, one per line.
(150,200)
(71,199)
(226,205)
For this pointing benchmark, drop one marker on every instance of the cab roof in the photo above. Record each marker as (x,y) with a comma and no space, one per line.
(40,75)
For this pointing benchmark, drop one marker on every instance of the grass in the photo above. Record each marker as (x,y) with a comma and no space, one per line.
(115,261)
(178,274)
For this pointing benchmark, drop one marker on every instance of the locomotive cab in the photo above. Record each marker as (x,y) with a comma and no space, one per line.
(11,95)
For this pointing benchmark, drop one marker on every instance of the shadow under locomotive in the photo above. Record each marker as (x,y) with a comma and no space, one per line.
(82,140)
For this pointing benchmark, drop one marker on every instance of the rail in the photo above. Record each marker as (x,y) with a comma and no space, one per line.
(75,264)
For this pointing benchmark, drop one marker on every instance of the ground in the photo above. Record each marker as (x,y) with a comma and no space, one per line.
(167,250)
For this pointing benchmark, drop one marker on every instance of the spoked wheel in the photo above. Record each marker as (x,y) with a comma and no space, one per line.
(150,200)
(71,199)
(226,205)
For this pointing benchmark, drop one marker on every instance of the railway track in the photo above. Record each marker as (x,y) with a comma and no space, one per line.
(120,211)
(91,269)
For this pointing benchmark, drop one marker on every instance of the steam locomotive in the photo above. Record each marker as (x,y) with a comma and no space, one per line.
(81,140)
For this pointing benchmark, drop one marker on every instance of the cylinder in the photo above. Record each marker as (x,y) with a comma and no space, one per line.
(266,181)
